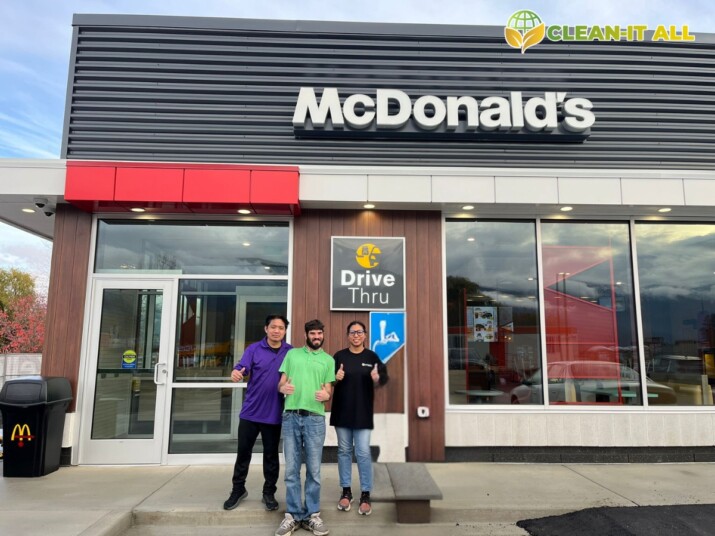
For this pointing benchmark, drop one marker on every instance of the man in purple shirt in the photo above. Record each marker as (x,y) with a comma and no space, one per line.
(261,411)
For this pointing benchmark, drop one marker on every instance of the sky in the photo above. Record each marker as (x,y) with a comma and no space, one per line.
(36,37)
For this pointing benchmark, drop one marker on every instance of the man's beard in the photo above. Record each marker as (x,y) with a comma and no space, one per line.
(314,345)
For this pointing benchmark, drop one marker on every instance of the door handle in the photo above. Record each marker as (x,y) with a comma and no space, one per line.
(160,373)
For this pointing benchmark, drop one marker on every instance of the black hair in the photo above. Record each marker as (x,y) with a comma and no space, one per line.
(314,324)
(282,318)
(356,322)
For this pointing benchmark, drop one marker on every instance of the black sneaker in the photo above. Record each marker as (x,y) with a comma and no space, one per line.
(234,499)
(269,500)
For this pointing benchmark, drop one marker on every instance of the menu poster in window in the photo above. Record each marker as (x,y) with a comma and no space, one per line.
(485,322)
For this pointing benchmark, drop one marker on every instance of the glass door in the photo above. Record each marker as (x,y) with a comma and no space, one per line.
(128,373)
(216,320)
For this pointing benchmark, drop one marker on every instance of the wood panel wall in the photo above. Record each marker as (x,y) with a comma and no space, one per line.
(66,297)
(420,366)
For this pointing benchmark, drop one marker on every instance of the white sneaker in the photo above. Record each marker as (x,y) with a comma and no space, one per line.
(288,525)
(315,524)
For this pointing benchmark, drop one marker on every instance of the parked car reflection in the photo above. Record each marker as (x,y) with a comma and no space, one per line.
(591,382)
(681,368)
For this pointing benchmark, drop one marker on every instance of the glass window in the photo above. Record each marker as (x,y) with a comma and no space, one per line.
(201,420)
(205,420)
(591,339)
(676,270)
(492,312)
(226,248)
(217,320)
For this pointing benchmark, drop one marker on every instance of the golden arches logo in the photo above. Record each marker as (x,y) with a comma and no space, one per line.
(524,29)
(366,255)
(21,432)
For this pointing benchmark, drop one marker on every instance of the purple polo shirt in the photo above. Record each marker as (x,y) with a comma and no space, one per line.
(262,403)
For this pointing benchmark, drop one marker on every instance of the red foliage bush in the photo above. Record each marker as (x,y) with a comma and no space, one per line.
(22,326)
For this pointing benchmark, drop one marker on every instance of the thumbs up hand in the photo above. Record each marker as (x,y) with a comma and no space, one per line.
(237,375)
(288,388)
(322,395)
(340,374)
(374,374)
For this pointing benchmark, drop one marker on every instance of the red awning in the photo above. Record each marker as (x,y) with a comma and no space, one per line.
(182,188)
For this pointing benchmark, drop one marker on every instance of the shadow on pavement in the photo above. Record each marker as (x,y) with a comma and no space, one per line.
(627,521)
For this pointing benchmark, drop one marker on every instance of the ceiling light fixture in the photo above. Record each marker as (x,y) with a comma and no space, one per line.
(29,210)
(244,211)
(664,209)
(368,205)
(566,209)
(137,209)
(468,207)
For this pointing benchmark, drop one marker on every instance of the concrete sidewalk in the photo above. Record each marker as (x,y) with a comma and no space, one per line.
(486,498)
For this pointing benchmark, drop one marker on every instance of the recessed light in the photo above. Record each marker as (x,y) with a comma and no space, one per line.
(244,211)
(246,244)
(468,207)
(368,205)
(470,239)
(529,278)
(664,209)
(566,209)
(137,209)
(29,210)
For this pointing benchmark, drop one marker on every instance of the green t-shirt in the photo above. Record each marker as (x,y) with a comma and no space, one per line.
(308,371)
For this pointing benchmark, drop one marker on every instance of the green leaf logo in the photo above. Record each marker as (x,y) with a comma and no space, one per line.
(524,30)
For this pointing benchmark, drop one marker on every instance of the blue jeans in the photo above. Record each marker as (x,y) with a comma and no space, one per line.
(361,439)
(303,434)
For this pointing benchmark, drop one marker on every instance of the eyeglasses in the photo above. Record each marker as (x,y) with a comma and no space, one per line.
(357,332)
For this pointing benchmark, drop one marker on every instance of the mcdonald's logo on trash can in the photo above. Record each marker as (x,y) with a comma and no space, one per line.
(21,432)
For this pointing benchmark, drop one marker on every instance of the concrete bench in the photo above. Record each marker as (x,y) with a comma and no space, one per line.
(414,489)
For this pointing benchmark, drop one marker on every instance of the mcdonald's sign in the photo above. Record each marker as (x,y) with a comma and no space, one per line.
(22,433)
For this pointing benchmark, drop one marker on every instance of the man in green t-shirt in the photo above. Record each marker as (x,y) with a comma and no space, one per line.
(307,376)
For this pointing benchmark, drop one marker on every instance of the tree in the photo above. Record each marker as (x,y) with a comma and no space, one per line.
(14,285)
(22,313)
(22,326)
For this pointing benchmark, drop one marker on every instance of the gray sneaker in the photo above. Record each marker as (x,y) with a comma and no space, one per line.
(315,524)
(288,525)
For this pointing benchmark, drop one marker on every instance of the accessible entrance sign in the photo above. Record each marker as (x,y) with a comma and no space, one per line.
(387,334)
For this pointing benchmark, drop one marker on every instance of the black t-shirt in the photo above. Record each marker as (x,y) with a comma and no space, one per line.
(353,396)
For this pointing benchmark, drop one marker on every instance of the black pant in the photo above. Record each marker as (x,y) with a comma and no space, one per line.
(247,434)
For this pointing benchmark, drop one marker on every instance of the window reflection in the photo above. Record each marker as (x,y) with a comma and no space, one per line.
(677,286)
(167,246)
(492,310)
(217,320)
(589,313)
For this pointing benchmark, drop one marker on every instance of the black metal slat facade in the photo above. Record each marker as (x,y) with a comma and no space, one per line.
(222,90)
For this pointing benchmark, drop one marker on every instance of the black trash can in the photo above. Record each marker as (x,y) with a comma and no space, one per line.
(33,414)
